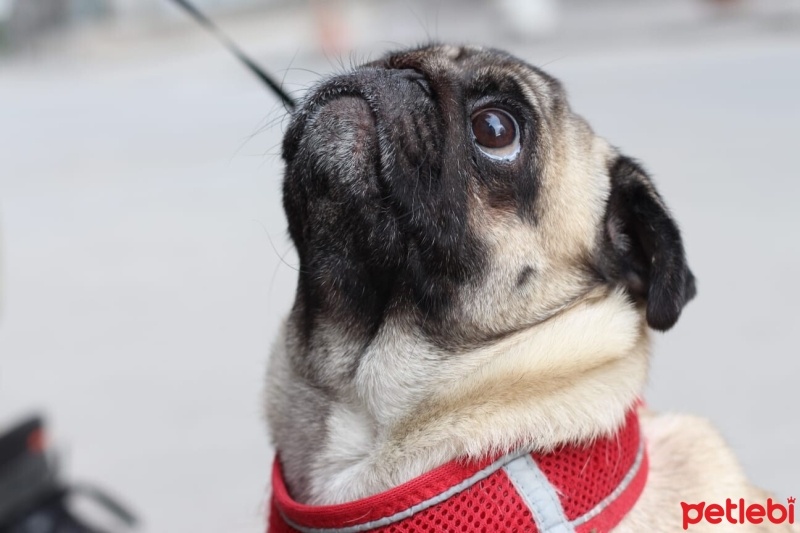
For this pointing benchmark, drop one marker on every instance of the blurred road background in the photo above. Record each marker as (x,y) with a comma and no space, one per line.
(145,265)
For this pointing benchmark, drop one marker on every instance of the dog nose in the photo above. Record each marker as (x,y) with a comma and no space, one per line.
(348,120)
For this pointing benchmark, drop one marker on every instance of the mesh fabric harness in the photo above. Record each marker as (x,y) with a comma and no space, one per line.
(576,488)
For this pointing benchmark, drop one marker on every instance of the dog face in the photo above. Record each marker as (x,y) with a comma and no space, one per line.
(453,192)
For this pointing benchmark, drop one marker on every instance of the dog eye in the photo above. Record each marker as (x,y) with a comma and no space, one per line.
(496,133)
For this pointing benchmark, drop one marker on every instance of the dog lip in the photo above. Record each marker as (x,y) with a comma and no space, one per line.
(352,113)
(342,135)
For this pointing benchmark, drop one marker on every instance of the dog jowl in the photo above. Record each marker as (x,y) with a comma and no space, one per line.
(442,201)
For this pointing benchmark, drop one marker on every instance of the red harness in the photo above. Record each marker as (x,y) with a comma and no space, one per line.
(582,489)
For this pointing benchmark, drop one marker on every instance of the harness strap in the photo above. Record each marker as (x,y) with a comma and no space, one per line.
(573,489)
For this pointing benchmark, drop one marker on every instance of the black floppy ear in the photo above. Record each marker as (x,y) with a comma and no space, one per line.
(646,245)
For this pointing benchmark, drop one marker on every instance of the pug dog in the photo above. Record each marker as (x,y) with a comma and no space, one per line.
(478,271)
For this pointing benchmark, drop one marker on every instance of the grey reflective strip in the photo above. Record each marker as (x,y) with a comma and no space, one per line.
(539,495)
(414,509)
(623,485)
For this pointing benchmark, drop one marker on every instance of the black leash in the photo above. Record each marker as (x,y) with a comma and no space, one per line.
(236,51)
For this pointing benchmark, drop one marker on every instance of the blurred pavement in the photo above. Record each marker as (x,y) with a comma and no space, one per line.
(145,266)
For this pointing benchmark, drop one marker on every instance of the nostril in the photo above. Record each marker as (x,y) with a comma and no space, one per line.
(422,82)
(417,77)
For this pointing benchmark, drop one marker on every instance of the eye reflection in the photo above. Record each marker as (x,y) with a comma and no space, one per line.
(496,133)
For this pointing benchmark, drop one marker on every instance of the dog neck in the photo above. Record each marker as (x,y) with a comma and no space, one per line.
(570,379)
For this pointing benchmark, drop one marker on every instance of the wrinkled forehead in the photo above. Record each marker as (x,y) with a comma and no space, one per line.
(480,71)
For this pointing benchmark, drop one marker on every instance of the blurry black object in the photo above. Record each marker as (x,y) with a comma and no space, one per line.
(33,499)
